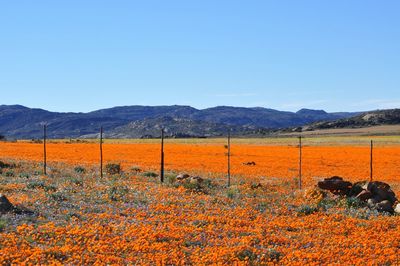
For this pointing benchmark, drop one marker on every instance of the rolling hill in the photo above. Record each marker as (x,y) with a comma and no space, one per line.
(367,119)
(20,122)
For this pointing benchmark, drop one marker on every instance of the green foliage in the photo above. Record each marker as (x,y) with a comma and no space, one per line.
(113,168)
(136,169)
(77,181)
(327,203)
(24,175)
(41,185)
(6,165)
(3,224)
(307,209)
(117,193)
(150,174)
(9,174)
(353,202)
(80,170)
(246,255)
(232,192)
(170,178)
(274,255)
(58,196)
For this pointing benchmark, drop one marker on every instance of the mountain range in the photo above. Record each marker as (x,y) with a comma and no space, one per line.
(20,122)
(367,119)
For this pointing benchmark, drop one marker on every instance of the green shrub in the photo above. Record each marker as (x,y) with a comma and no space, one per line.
(113,168)
(246,255)
(9,174)
(170,178)
(41,185)
(77,181)
(353,202)
(150,174)
(117,193)
(3,224)
(136,169)
(24,175)
(58,196)
(307,210)
(232,192)
(7,165)
(80,170)
(274,255)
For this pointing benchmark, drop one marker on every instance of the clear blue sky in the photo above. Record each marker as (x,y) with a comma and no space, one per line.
(70,55)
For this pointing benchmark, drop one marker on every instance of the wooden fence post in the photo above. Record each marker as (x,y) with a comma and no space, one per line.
(101,152)
(300,161)
(229,159)
(44,149)
(371,161)
(162,157)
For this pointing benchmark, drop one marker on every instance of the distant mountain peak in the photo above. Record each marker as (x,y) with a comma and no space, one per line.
(306,111)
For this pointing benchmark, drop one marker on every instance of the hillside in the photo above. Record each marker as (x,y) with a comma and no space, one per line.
(18,121)
(174,128)
(368,119)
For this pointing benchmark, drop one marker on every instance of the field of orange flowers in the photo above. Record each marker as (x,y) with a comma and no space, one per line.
(130,218)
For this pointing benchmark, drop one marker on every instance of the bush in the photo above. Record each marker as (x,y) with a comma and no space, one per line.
(274,255)
(307,210)
(232,192)
(353,202)
(136,169)
(150,174)
(117,193)
(170,178)
(9,174)
(76,181)
(58,196)
(3,224)
(41,185)
(24,175)
(246,255)
(80,170)
(113,168)
(7,165)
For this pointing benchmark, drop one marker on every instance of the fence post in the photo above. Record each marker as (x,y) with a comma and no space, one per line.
(229,159)
(371,161)
(300,161)
(44,149)
(101,152)
(162,157)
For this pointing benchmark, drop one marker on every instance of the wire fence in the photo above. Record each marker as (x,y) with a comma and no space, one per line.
(300,159)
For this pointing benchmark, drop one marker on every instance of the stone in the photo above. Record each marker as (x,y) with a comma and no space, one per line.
(384,206)
(5,204)
(336,185)
(397,208)
(382,190)
(372,202)
(249,163)
(364,195)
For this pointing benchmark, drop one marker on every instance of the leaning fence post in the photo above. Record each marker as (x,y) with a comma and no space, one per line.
(101,152)
(44,149)
(371,161)
(300,161)
(229,159)
(162,157)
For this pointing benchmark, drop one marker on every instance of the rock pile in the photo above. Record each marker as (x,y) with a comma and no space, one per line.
(5,205)
(377,195)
